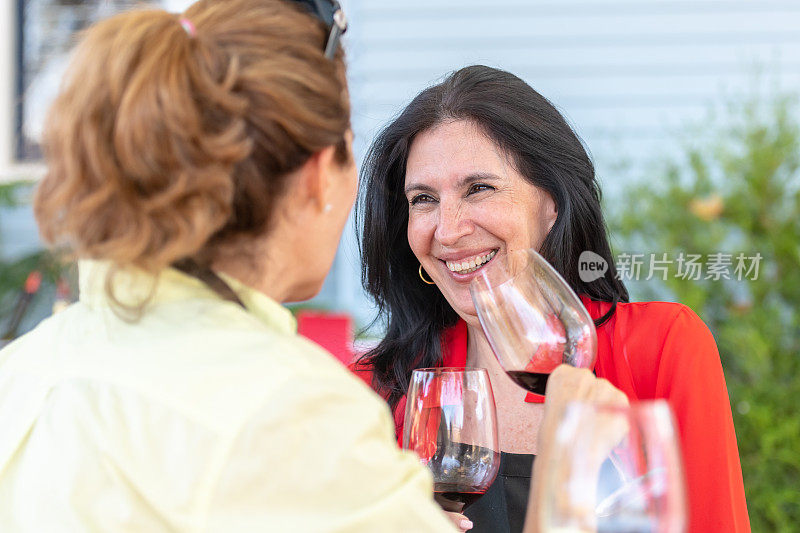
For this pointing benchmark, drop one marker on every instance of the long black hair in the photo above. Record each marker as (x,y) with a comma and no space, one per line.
(544,150)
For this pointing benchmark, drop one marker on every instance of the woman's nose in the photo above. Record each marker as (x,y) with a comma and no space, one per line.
(454,223)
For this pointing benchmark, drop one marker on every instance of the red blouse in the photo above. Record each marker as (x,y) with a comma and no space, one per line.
(663,350)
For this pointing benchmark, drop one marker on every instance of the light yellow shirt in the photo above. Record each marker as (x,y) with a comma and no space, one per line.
(200,416)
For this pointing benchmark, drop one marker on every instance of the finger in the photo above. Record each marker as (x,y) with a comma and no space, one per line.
(460,521)
(607,393)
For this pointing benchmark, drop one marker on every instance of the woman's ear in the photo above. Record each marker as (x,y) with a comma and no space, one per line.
(315,178)
(549,211)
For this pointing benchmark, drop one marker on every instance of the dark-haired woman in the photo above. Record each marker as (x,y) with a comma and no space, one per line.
(476,167)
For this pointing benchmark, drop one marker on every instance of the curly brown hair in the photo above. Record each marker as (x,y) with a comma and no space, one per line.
(164,146)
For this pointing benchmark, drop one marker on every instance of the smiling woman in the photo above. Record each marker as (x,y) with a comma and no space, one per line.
(480,163)
(472,170)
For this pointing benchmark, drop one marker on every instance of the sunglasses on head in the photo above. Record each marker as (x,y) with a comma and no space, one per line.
(330,13)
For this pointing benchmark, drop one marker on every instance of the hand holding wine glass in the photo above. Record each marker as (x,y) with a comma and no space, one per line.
(451,424)
(642,492)
(535,322)
(569,385)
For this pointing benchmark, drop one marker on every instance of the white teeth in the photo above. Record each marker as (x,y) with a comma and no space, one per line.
(471,265)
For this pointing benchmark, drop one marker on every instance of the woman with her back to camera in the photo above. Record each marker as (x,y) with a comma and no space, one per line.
(200,168)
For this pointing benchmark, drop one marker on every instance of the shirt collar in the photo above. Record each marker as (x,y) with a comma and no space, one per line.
(132,287)
(262,306)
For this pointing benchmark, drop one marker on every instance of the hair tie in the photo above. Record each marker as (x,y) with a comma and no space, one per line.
(188,27)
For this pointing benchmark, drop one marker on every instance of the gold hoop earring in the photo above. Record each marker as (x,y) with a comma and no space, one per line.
(423,277)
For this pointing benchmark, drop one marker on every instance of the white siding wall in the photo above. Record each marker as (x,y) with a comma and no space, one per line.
(628,74)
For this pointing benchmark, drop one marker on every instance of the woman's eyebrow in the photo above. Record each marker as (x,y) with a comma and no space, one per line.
(419,187)
(469,179)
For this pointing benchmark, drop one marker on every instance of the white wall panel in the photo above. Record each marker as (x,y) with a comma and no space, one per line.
(630,75)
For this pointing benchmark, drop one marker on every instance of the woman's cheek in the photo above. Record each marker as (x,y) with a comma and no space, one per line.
(486,214)
(419,233)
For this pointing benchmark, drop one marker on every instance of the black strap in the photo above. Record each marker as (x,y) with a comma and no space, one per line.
(192,268)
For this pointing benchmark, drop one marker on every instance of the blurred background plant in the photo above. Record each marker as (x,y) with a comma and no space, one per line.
(738,192)
(14,270)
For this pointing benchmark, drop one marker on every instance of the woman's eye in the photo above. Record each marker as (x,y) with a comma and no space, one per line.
(478,187)
(421,198)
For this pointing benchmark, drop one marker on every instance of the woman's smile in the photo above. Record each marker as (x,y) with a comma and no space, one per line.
(462,268)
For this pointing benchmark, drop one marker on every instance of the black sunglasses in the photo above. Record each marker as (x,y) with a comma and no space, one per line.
(331,14)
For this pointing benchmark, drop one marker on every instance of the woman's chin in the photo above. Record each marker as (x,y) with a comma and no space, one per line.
(304,292)
(466,310)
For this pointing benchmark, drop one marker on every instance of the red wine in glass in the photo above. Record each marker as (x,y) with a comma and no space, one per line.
(534,377)
(451,424)
(455,497)
(535,382)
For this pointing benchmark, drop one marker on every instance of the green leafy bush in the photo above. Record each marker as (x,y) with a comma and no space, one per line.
(738,193)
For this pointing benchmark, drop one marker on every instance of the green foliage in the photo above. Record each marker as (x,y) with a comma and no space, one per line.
(9,193)
(739,192)
(13,272)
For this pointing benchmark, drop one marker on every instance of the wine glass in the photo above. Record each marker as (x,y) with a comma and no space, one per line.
(451,423)
(532,319)
(642,492)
